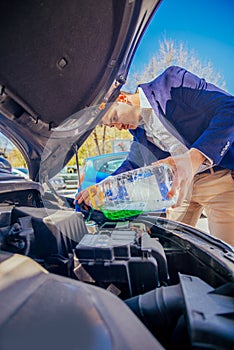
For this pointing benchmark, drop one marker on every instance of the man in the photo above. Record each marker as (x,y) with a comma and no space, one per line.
(182,120)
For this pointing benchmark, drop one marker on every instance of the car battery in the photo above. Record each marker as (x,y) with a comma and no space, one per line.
(122,260)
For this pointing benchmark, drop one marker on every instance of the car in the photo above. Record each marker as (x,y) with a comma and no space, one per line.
(99,167)
(70,177)
(73,280)
(21,172)
(4,164)
(57,181)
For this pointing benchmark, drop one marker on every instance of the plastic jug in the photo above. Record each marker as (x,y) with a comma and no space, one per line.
(131,193)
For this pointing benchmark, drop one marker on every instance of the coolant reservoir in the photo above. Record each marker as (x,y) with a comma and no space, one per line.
(133,192)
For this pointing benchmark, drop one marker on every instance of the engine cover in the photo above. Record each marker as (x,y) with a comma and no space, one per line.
(125,260)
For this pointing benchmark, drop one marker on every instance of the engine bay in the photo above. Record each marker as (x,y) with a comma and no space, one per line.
(176,281)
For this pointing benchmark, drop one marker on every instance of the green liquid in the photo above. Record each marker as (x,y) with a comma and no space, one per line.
(120,214)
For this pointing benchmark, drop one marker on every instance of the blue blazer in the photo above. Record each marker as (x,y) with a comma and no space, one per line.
(199,113)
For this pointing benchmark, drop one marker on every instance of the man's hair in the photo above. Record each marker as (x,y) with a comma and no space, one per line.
(121,92)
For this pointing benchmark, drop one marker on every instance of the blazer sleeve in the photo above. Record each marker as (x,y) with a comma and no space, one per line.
(217,138)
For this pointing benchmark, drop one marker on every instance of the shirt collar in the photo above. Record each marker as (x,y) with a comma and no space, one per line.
(144,103)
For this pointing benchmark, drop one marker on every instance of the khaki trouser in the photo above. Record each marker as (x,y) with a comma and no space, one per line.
(213,192)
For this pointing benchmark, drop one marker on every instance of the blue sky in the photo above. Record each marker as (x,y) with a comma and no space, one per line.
(206,26)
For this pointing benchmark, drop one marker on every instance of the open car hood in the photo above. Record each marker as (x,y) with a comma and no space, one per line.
(63,59)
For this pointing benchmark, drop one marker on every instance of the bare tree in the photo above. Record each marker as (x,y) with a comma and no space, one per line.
(95,138)
(174,53)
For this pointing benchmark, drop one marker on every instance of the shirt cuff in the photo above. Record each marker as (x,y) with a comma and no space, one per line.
(208,161)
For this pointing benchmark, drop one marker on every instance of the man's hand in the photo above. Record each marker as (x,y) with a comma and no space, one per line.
(85,196)
(81,197)
(184,167)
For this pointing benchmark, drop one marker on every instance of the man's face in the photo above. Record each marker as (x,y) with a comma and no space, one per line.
(123,116)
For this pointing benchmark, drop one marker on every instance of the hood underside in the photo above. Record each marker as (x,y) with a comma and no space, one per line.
(58,58)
